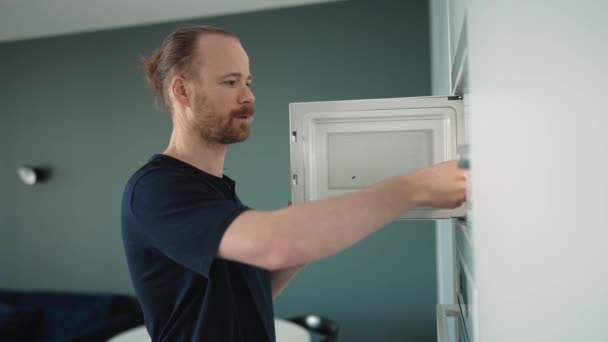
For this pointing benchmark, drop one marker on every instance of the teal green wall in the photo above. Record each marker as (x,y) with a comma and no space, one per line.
(80,105)
(7,174)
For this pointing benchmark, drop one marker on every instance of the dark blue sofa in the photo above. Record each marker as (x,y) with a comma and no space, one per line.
(65,316)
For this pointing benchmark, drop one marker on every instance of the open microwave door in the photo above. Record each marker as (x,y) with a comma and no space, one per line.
(342,146)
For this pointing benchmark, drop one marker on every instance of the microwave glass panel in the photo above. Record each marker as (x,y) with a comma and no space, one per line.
(348,170)
(347,151)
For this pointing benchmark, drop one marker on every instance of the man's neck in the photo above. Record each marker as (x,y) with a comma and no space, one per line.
(205,156)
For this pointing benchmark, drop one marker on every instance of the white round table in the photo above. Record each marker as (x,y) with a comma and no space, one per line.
(287,331)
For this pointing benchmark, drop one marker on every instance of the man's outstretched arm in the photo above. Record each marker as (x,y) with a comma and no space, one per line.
(304,233)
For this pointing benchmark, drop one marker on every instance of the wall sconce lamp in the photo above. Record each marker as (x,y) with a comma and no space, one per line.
(30,175)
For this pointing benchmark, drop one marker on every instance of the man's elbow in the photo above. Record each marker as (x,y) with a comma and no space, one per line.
(281,254)
(259,239)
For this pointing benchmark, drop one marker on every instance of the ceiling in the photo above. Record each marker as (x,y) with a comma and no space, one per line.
(26,19)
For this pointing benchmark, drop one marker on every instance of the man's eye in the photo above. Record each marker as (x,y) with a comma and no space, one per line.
(231,83)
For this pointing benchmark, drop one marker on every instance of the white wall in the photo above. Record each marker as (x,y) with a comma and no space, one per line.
(540,164)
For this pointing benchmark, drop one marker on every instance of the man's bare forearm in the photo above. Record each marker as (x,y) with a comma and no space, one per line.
(307,232)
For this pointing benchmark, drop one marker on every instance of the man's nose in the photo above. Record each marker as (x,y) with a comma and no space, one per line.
(246,96)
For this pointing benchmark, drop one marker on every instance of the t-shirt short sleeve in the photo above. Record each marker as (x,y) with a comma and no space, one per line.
(182,218)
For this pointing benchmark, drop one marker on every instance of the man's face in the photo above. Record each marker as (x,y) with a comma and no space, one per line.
(222,103)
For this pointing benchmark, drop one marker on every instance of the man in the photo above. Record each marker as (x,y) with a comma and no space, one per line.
(204,266)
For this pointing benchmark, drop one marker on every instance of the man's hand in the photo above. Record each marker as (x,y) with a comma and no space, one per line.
(441,186)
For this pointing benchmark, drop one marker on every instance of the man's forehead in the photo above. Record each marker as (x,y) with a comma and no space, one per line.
(216,38)
(218,45)
(222,53)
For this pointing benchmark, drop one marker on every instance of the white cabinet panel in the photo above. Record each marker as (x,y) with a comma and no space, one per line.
(449,32)
(539,142)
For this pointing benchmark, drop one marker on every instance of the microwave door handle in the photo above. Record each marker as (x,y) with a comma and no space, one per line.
(463,157)
(443,311)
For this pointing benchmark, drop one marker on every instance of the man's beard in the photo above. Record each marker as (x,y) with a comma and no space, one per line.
(221,129)
(236,130)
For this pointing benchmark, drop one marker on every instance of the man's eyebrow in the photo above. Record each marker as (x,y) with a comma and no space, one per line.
(235,74)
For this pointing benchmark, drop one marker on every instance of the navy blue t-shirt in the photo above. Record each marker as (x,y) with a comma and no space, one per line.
(173,219)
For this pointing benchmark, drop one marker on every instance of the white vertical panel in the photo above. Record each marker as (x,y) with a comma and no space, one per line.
(539,150)
(444,229)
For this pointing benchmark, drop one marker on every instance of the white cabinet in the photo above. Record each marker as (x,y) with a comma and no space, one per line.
(341,146)
(540,167)
(531,257)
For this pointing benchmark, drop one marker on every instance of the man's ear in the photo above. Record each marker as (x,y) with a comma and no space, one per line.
(179,91)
